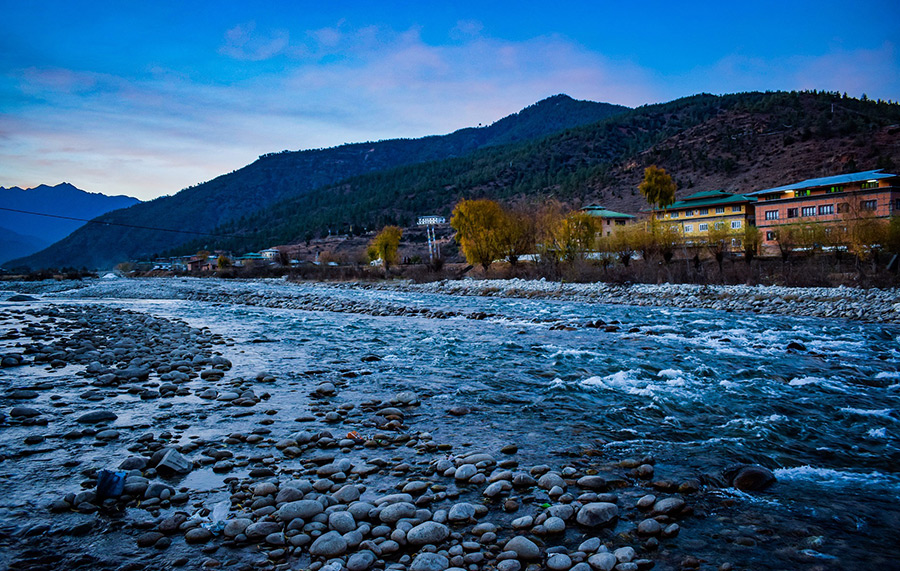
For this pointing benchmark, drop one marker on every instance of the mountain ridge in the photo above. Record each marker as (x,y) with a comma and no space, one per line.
(277,176)
(29,233)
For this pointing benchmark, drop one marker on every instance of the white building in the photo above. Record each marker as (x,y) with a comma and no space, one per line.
(431,220)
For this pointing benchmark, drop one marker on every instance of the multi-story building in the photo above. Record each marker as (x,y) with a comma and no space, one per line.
(610,220)
(834,199)
(695,215)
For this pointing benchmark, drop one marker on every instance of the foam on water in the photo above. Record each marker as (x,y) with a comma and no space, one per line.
(831,477)
(883,412)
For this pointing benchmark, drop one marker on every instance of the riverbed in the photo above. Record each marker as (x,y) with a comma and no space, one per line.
(573,386)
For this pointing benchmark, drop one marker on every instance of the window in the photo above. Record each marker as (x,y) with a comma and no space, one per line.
(620,223)
(869,184)
(770,235)
(868,205)
(704,227)
(826,209)
(771,215)
(793,212)
(608,222)
(802,192)
(704,211)
(735,224)
(843,208)
(735,208)
(897,205)
(720,210)
(808,211)
(688,212)
(688,228)
(720,225)
(836,188)
(674,215)
(736,242)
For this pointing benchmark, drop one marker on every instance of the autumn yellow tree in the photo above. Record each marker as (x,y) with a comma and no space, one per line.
(658,187)
(385,245)
(517,234)
(575,235)
(479,230)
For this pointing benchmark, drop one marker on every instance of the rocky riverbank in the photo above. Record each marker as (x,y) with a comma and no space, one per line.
(125,415)
(869,305)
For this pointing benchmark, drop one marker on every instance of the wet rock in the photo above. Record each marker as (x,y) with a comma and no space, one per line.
(23,412)
(603,561)
(97,416)
(753,478)
(428,532)
(624,554)
(133,463)
(331,544)
(597,483)
(559,562)
(668,506)
(261,529)
(461,512)
(396,512)
(235,527)
(149,538)
(524,548)
(429,562)
(198,535)
(342,522)
(303,509)
(597,514)
(361,560)
(649,527)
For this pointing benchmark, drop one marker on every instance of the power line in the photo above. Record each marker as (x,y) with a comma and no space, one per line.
(102,223)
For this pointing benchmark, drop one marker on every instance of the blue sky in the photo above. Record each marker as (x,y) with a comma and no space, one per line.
(146,98)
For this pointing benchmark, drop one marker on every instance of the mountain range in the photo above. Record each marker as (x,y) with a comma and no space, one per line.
(23,234)
(578,152)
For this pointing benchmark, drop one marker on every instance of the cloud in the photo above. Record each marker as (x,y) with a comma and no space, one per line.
(244,43)
(160,130)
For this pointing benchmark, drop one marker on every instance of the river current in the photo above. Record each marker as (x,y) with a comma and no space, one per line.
(814,400)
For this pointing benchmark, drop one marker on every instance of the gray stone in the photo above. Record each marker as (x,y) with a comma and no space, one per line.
(668,506)
(342,522)
(624,554)
(361,560)
(559,562)
(331,544)
(465,472)
(550,480)
(597,514)
(346,494)
(649,527)
(554,525)
(596,483)
(461,512)
(261,529)
(602,561)
(97,416)
(235,527)
(396,512)
(524,548)
(509,565)
(304,509)
(429,562)
(428,532)
(497,488)
(198,535)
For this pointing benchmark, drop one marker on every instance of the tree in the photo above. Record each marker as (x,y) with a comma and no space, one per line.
(223,262)
(786,238)
(517,234)
(384,246)
(750,242)
(479,230)
(575,235)
(658,187)
(718,241)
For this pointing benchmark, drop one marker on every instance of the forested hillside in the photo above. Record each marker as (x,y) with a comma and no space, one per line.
(739,143)
(136,232)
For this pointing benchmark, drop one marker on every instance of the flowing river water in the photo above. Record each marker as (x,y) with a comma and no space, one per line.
(815,401)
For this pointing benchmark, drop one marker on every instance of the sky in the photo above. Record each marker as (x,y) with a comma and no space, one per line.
(147,98)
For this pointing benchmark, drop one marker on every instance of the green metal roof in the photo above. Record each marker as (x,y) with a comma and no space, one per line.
(709,198)
(827,181)
(599,211)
